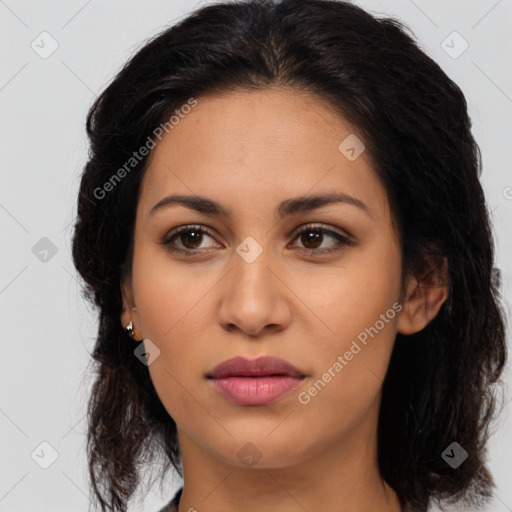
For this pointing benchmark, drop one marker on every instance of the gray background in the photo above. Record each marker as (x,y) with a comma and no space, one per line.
(47,329)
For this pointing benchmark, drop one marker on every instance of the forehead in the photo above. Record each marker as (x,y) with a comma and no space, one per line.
(260,146)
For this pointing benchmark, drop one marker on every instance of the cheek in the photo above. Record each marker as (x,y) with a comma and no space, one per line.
(349,370)
(353,295)
(359,305)
(171,304)
(167,294)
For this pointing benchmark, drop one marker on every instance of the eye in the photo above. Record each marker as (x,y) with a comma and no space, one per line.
(191,237)
(314,233)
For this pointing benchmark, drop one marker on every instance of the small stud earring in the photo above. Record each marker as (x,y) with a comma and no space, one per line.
(129,330)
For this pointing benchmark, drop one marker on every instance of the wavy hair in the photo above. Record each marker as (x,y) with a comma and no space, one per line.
(441,382)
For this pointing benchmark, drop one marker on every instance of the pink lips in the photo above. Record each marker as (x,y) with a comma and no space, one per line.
(255,381)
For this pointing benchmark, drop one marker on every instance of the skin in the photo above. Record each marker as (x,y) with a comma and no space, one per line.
(249,151)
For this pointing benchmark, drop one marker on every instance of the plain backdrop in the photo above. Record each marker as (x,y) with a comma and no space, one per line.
(47,329)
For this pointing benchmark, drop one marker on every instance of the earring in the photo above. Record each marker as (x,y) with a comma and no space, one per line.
(129,330)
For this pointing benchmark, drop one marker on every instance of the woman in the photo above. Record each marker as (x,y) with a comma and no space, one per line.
(282,226)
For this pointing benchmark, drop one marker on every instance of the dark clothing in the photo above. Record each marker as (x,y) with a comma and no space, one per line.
(172,506)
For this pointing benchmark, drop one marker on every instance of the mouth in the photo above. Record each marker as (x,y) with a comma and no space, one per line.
(260,367)
(255,382)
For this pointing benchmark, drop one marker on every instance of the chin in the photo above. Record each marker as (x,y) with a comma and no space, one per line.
(261,453)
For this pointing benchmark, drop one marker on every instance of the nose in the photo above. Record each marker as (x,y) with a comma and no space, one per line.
(255,298)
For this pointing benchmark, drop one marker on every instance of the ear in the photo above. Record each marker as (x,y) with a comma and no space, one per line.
(424,296)
(129,312)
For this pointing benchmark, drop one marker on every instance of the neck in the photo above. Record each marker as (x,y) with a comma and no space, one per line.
(340,476)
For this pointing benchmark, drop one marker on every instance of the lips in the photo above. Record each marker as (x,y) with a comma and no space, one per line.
(261,367)
(255,381)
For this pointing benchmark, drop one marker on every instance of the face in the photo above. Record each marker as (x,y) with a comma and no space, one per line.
(318,287)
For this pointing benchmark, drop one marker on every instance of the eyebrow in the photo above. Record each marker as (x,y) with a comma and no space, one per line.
(288,207)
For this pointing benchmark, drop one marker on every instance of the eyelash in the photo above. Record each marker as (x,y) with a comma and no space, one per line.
(318,228)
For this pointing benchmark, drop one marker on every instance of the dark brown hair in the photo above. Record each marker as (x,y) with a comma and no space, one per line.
(413,119)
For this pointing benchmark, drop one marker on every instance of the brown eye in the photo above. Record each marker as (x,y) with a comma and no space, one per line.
(190,238)
(313,236)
